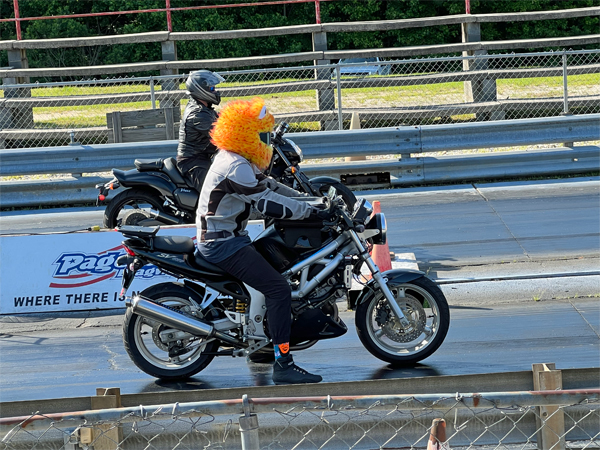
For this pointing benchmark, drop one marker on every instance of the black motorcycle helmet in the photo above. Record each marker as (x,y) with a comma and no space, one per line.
(201,84)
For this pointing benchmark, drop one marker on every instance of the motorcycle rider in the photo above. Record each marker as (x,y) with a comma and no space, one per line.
(195,150)
(233,184)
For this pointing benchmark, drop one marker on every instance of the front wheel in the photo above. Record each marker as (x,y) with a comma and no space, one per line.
(425,307)
(148,341)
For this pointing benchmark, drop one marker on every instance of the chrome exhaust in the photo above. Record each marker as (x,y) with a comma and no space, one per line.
(145,307)
(166,218)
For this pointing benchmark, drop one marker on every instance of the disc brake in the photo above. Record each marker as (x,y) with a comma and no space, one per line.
(391,327)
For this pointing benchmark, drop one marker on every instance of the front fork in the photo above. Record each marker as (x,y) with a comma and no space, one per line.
(380,279)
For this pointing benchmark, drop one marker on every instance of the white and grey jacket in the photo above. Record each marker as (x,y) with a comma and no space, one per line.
(232,186)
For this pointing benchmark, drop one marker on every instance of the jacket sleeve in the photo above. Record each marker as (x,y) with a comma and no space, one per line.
(282,189)
(243,184)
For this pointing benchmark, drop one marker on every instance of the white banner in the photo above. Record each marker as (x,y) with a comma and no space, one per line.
(73,271)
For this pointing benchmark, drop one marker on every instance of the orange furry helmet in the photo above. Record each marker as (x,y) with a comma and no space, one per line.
(237,130)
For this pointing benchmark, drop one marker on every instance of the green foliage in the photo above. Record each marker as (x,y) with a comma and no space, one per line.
(262,16)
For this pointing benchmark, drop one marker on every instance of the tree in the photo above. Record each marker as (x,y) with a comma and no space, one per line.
(262,16)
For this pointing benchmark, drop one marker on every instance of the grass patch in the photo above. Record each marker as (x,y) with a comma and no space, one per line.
(426,95)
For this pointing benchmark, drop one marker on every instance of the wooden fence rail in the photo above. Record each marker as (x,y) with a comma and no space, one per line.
(381,25)
(20,67)
(16,108)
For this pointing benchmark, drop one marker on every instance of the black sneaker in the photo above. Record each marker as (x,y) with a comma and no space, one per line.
(286,372)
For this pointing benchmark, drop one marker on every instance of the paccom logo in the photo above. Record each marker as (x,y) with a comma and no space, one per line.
(76,269)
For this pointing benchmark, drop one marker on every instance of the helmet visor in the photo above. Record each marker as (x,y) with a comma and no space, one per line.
(219,78)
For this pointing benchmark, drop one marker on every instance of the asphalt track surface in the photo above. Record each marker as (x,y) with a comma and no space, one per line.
(74,362)
(471,231)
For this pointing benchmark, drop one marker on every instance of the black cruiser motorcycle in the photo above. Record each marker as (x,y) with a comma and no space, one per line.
(174,330)
(159,194)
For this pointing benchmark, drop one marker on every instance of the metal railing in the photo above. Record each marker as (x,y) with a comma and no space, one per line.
(405,141)
(548,420)
(408,143)
(410,92)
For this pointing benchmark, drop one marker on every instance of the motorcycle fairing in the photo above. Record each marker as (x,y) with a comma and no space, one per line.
(314,324)
(272,247)
(187,197)
(288,241)
(226,286)
(394,277)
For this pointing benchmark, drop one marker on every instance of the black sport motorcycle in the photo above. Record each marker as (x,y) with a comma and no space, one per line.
(174,330)
(159,194)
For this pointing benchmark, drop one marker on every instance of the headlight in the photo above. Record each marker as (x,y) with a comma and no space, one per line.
(378,222)
(297,149)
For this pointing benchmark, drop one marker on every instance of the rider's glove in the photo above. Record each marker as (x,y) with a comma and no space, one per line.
(324,213)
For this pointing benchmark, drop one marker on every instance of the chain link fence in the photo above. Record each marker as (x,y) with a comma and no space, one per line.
(548,420)
(383,93)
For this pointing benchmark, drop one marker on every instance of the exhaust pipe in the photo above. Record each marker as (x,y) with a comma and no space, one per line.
(166,218)
(145,307)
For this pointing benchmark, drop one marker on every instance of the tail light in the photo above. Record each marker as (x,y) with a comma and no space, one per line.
(129,251)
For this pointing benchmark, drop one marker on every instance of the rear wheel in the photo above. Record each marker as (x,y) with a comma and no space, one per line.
(132,207)
(151,345)
(427,311)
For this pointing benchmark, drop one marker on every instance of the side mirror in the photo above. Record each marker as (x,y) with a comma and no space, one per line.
(265,137)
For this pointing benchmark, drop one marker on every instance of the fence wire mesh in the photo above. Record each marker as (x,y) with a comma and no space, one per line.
(335,423)
(383,93)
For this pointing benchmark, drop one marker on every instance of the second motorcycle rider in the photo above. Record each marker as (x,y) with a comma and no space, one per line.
(195,150)
(233,184)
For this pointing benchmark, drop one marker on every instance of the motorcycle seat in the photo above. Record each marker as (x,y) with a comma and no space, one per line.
(146,165)
(170,168)
(198,262)
(166,165)
(174,244)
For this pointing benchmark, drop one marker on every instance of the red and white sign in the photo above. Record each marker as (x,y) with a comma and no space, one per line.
(73,271)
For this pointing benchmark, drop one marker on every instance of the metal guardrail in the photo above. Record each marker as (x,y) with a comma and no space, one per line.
(382,141)
(325,144)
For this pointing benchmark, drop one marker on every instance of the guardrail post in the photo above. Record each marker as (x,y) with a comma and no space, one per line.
(565,87)
(550,420)
(249,427)
(355,125)
(325,97)
(16,117)
(107,437)
(169,53)
(565,94)
(152,93)
(480,90)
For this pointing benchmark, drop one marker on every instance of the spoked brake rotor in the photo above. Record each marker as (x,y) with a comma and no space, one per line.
(390,325)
